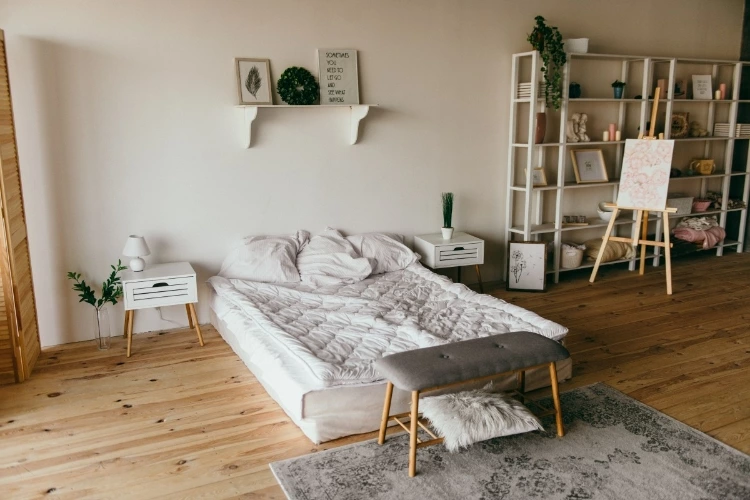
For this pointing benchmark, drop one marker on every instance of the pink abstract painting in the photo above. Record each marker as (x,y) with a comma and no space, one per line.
(645,174)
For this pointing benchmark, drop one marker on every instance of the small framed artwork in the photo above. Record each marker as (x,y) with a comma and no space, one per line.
(253,80)
(588,165)
(702,87)
(680,125)
(527,266)
(538,177)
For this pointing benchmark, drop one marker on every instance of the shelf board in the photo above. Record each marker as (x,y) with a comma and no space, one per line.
(602,99)
(249,112)
(593,143)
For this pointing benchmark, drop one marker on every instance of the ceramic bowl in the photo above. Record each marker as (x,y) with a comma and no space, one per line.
(603,208)
(605,216)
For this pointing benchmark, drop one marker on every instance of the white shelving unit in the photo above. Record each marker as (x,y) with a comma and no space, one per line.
(536,213)
(248,114)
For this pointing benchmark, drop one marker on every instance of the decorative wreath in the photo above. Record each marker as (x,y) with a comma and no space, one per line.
(297,86)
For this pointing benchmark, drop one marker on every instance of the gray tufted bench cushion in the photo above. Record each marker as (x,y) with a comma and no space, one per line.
(469,359)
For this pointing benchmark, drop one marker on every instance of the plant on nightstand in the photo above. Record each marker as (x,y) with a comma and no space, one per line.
(447,228)
(111,291)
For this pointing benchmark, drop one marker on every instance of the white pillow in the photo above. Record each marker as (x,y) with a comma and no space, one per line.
(384,250)
(330,259)
(468,417)
(268,259)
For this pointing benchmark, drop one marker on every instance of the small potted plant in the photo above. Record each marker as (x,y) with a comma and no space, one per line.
(111,291)
(447,229)
(618,88)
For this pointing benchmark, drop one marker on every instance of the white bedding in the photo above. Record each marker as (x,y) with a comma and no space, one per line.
(336,331)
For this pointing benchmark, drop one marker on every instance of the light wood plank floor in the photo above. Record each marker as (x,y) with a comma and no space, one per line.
(180,421)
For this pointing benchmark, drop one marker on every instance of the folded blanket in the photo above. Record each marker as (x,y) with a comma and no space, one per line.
(710,237)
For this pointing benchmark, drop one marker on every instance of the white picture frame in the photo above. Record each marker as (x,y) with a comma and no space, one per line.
(538,177)
(527,266)
(702,89)
(589,166)
(257,91)
(338,74)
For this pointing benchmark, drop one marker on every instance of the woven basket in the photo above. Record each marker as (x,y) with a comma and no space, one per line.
(570,257)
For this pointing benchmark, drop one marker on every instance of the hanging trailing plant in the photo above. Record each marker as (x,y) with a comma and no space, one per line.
(548,42)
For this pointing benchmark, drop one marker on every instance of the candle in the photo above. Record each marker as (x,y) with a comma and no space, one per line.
(618,136)
(612,129)
(605,136)
(717,95)
(723,90)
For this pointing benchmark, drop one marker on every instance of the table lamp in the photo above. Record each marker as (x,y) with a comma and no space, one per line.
(136,247)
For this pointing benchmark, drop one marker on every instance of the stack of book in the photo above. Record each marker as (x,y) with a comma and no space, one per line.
(524,91)
(741,130)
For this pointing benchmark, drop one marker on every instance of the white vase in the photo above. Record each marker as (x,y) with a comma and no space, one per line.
(447,232)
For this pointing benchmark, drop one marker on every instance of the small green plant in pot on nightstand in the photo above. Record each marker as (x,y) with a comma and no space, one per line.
(618,87)
(111,291)
(447,229)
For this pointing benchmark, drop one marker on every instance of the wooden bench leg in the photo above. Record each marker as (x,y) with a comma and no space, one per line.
(386,412)
(556,399)
(413,433)
(520,380)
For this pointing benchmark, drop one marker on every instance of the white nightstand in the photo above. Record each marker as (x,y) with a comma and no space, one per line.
(461,250)
(158,286)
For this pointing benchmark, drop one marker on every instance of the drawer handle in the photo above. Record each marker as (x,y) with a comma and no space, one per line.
(162,283)
(459,248)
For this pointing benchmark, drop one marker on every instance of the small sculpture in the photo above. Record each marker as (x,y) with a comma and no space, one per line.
(696,130)
(571,127)
(582,137)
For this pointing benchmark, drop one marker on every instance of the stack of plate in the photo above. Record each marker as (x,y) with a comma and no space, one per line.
(524,91)
(741,130)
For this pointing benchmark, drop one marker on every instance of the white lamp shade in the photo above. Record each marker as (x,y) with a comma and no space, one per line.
(136,247)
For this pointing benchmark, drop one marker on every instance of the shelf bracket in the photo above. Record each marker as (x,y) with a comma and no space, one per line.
(358,111)
(248,115)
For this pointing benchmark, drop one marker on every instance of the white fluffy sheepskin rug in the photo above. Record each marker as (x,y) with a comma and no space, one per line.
(467,417)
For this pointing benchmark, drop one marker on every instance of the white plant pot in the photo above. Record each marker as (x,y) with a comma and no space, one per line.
(447,232)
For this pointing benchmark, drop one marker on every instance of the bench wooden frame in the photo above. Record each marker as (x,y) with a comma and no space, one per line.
(415,423)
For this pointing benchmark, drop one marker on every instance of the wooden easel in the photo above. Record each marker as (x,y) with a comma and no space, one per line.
(641,221)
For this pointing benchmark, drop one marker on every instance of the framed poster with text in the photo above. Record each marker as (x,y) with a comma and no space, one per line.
(339,81)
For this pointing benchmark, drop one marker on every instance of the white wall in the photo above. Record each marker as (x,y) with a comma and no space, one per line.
(125,121)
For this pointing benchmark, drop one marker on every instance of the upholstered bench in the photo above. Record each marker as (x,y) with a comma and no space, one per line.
(433,368)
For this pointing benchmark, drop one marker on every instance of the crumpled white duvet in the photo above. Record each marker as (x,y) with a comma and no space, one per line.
(337,331)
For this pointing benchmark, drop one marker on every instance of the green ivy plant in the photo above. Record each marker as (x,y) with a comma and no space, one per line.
(111,288)
(548,41)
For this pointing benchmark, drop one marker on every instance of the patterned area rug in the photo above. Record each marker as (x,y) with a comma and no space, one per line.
(615,448)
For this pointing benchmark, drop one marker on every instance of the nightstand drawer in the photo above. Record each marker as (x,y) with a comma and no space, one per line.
(160,292)
(463,254)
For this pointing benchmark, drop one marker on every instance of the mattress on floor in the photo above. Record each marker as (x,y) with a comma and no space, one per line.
(312,348)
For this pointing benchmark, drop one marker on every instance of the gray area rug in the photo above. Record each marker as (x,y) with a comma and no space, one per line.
(615,447)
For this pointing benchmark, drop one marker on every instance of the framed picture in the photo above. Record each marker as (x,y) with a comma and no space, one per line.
(702,87)
(527,266)
(254,80)
(538,177)
(680,125)
(680,89)
(588,165)
(338,76)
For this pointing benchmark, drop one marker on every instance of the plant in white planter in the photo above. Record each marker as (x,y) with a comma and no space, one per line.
(447,229)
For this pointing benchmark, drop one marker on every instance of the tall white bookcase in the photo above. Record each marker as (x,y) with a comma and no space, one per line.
(536,213)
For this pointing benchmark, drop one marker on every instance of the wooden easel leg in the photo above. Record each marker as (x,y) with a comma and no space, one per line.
(190,316)
(667,251)
(556,399)
(191,307)
(386,412)
(644,232)
(413,433)
(605,239)
(130,318)
(479,278)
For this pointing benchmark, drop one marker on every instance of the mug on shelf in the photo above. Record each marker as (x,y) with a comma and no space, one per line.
(703,166)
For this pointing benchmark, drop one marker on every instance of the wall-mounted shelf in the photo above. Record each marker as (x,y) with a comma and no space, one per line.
(248,114)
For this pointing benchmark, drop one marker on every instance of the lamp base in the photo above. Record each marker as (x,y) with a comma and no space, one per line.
(137,264)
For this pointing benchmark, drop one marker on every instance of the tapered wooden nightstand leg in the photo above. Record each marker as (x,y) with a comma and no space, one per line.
(479,278)
(125,326)
(190,316)
(191,308)
(130,321)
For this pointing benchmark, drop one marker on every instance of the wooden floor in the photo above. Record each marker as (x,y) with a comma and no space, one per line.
(180,421)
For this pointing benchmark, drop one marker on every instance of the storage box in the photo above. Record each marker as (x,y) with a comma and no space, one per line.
(683,204)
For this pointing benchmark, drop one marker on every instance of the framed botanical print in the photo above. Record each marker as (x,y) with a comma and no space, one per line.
(527,266)
(254,81)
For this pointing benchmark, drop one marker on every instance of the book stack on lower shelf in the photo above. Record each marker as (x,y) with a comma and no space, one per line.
(741,130)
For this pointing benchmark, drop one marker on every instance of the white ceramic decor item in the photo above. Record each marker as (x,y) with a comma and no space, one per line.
(447,232)
(136,247)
